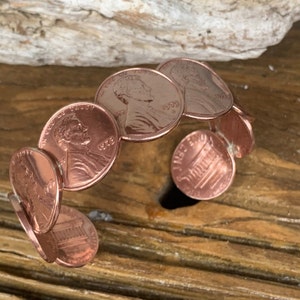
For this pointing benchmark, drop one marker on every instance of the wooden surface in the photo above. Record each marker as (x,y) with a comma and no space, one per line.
(243,245)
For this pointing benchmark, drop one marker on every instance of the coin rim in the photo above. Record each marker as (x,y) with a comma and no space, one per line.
(206,66)
(146,137)
(229,155)
(60,261)
(245,120)
(101,174)
(59,186)
(24,221)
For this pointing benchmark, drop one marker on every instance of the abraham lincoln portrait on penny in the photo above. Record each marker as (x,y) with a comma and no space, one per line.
(141,116)
(79,163)
(36,191)
(203,92)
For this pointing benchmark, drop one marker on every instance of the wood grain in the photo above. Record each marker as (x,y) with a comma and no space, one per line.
(244,244)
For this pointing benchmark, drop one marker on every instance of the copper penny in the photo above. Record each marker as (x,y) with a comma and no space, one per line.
(44,243)
(36,180)
(239,109)
(201,166)
(76,238)
(145,103)
(235,127)
(84,138)
(206,95)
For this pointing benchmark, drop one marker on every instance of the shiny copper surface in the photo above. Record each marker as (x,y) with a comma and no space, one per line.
(145,103)
(201,166)
(236,129)
(44,243)
(241,110)
(206,95)
(35,178)
(84,138)
(80,142)
(76,238)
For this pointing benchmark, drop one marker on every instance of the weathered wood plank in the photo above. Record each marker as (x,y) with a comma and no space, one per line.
(149,248)
(119,273)
(5,296)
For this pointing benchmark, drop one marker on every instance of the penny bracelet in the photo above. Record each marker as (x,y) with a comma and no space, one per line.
(80,142)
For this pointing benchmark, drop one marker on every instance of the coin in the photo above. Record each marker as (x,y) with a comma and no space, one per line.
(44,243)
(84,138)
(241,110)
(145,103)
(206,95)
(236,128)
(76,238)
(201,166)
(36,180)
